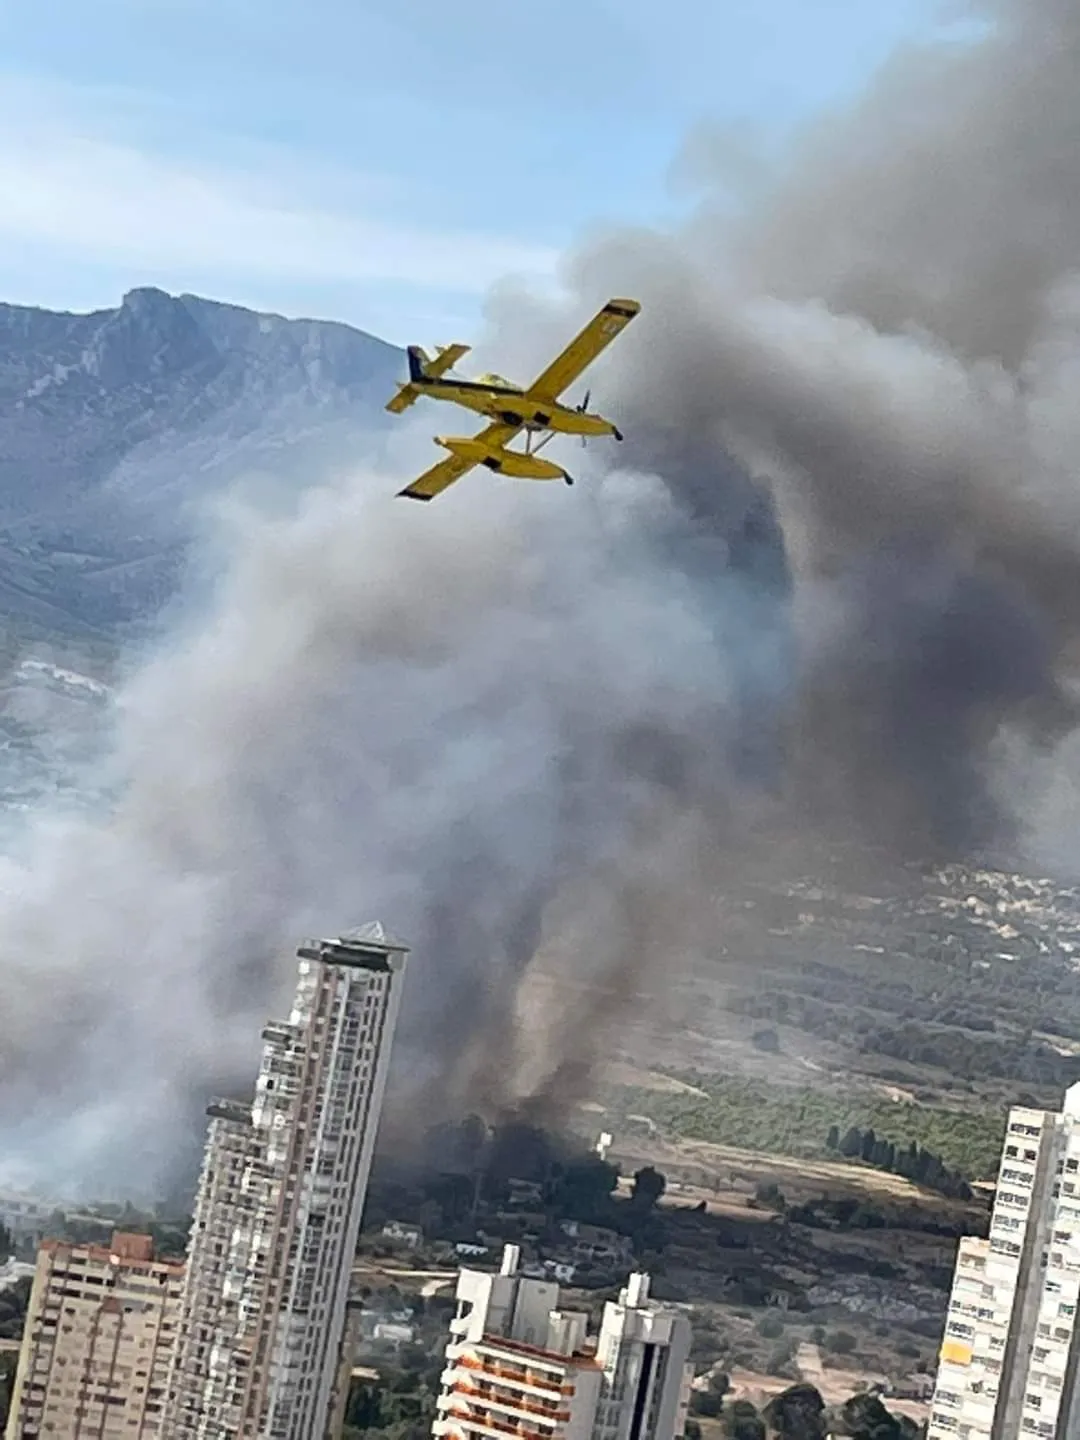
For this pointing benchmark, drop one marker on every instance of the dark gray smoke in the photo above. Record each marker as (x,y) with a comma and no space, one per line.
(888,338)
(831,592)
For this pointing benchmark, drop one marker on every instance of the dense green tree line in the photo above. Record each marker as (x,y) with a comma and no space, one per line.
(793,1120)
(913,1161)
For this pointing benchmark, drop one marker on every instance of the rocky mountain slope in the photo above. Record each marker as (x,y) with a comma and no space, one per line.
(115,424)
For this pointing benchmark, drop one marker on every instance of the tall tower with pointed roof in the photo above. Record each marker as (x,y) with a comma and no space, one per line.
(279,1204)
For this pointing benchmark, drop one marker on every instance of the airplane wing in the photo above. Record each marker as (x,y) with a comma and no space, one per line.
(441,476)
(434,481)
(582,351)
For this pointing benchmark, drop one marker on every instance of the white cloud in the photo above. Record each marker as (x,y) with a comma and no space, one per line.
(75,186)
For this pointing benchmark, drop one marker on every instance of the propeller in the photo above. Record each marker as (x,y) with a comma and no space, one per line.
(581,411)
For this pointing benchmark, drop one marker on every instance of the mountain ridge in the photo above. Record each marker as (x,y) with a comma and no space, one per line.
(114,423)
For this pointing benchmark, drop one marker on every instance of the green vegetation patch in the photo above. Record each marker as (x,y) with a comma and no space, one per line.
(790,1120)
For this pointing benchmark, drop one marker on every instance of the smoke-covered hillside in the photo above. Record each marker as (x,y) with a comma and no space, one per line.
(116,425)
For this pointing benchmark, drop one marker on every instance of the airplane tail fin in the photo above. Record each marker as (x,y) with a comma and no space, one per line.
(409,393)
(422,371)
(418,363)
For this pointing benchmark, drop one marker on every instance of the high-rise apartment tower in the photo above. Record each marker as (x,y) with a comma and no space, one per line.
(279,1203)
(99,1335)
(1009,1359)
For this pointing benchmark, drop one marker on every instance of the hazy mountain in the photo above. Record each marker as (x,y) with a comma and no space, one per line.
(113,427)
(114,424)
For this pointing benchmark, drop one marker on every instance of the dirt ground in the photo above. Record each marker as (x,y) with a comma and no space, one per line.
(725,1175)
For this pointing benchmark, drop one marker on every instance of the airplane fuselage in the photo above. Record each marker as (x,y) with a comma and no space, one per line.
(512,406)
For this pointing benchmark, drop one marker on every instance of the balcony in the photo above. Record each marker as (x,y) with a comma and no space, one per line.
(472,1422)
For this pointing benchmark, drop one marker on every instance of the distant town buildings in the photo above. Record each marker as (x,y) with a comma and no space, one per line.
(279,1203)
(518,1364)
(400,1233)
(100,1328)
(1009,1359)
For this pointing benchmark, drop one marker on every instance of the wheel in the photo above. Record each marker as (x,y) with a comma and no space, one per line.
(616,433)
(569,479)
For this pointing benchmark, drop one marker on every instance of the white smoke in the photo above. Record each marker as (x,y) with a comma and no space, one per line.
(376,701)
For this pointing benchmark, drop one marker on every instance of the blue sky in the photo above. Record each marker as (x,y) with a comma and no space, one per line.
(380,161)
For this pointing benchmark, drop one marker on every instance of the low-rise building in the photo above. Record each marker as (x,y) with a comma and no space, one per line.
(403,1234)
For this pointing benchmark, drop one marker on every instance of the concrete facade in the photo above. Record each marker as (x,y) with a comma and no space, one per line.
(518,1365)
(279,1205)
(100,1330)
(1008,1359)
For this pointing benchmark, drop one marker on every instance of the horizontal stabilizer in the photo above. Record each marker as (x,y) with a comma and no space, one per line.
(407,395)
(445,360)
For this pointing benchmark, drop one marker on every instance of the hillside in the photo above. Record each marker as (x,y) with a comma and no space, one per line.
(115,424)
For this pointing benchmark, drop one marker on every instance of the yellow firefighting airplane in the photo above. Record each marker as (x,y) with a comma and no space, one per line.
(510,409)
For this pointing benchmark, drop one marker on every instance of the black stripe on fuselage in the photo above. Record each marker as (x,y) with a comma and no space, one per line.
(439,383)
(620,310)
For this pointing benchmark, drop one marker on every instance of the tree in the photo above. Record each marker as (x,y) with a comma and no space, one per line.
(649,1185)
(851,1145)
(841,1342)
(583,1188)
(832,1140)
(742,1421)
(769,1194)
(704,1402)
(797,1413)
(864,1417)
(766,1040)
(8,1363)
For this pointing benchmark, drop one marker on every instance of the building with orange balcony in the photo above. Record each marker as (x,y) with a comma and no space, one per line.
(1010,1357)
(517,1365)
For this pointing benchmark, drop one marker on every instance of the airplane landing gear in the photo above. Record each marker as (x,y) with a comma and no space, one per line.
(617,433)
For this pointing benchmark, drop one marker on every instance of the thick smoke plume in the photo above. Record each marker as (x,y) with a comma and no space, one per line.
(832,593)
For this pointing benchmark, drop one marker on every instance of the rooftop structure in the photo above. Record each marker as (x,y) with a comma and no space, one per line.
(517,1364)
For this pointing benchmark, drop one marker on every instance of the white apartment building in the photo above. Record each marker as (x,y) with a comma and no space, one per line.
(1008,1363)
(279,1203)
(100,1328)
(518,1365)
